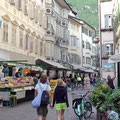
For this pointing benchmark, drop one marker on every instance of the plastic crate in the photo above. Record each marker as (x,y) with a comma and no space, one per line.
(13,100)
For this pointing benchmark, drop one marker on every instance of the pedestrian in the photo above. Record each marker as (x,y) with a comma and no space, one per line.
(87,82)
(18,74)
(72,83)
(79,80)
(82,82)
(35,79)
(110,82)
(61,99)
(42,111)
(94,81)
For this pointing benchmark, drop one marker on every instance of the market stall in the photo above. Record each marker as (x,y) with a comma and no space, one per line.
(14,89)
(21,88)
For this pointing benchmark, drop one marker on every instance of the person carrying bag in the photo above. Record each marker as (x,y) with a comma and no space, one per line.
(60,99)
(42,94)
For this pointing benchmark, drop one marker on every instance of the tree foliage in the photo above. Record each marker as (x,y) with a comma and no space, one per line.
(87,11)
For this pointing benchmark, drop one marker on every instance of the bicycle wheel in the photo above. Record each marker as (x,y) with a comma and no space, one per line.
(88,110)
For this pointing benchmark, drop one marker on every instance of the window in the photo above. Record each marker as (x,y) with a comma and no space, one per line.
(90,34)
(13,35)
(26,41)
(21,39)
(88,46)
(63,55)
(84,30)
(83,44)
(109,49)
(88,60)
(5,32)
(77,42)
(94,49)
(108,21)
(74,41)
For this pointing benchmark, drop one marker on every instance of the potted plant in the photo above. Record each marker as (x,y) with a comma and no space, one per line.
(104,99)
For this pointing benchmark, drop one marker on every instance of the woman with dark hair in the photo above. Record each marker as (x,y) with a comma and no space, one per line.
(110,82)
(42,111)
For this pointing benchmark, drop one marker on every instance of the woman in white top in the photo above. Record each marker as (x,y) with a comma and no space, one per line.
(42,111)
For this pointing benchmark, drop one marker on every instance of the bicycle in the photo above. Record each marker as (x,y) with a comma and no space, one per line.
(82,107)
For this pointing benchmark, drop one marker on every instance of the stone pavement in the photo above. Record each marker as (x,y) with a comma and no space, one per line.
(24,111)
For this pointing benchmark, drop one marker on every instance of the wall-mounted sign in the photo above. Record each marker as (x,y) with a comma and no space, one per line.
(0,23)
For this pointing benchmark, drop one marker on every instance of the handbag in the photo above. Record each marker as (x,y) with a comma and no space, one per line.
(37,100)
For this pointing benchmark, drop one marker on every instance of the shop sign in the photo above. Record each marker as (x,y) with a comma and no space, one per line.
(0,23)
(107,67)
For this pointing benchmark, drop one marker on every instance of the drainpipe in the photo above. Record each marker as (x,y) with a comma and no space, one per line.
(100,35)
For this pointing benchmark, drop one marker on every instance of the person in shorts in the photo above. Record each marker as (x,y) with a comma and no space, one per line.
(42,111)
(61,99)
(79,80)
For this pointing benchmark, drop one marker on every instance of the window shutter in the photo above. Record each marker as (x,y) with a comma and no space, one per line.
(36,15)
(13,35)
(26,7)
(44,22)
(31,43)
(26,42)
(21,39)
(5,32)
(106,21)
(40,18)
(103,50)
(34,11)
(36,47)
(20,4)
(110,21)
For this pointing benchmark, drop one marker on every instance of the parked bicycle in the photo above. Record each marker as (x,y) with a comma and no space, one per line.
(82,107)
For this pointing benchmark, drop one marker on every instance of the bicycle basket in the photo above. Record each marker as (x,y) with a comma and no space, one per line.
(75,102)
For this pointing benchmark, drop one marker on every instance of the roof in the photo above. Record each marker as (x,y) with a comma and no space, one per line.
(49,64)
(68,6)
(78,20)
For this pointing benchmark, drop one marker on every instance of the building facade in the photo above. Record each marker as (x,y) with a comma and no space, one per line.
(57,34)
(74,49)
(107,39)
(89,48)
(116,56)
(82,49)
(22,29)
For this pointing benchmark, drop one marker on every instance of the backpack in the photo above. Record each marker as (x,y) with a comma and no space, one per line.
(45,97)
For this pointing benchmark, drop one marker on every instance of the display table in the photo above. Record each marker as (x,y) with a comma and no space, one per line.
(22,93)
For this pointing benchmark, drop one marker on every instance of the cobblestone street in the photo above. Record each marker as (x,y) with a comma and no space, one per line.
(24,111)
